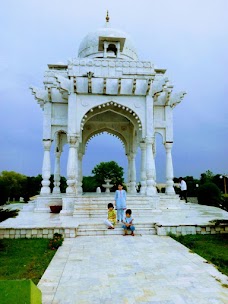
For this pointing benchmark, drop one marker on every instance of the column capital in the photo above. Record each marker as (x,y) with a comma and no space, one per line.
(168,144)
(47,144)
(142,145)
(58,154)
(73,140)
(132,155)
(149,140)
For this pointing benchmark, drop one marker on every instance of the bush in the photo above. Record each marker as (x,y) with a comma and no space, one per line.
(6,213)
(56,242)
(209,194)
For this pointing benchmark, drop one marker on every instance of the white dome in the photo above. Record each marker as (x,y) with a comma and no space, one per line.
(89,46)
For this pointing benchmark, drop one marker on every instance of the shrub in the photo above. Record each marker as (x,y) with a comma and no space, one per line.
(56,242)
(209,194)
(6,213)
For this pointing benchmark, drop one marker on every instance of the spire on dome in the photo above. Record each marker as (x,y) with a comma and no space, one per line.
(107,17)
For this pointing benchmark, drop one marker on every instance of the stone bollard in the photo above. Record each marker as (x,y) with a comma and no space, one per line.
(98,190)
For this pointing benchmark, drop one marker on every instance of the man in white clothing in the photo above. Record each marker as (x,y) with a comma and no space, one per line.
(183,188)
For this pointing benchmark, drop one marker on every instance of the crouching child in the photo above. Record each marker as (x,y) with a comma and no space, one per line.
(128,223)
(110,222)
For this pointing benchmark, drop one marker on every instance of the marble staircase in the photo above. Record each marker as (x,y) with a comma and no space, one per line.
(95,207)
(101,229)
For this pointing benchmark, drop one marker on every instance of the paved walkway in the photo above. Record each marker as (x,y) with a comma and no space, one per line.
(140,269)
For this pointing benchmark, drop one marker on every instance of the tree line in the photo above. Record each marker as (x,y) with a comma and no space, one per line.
(14,185)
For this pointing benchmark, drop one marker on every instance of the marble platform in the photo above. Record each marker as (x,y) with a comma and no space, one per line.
(187,214)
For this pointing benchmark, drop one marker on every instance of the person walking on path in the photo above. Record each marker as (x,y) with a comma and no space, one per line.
(111,220)
(120,202)
(128,223)
(183,188)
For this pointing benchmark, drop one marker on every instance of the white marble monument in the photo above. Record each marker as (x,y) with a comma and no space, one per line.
(106,88)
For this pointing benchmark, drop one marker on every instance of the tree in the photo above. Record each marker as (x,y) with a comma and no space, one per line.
(89,184)
(32,186)
(110,170)
(209,194)
(11,185)
(206,177)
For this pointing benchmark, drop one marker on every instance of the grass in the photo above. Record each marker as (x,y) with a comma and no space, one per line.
(214,248)
(24,258)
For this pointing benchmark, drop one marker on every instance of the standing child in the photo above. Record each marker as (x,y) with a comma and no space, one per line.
(128,223)
(120,201)
(111,220)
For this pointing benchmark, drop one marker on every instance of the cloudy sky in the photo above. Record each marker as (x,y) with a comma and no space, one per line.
(188,38)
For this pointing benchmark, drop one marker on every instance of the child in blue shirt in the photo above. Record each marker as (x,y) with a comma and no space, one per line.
(128,223)
(120,202)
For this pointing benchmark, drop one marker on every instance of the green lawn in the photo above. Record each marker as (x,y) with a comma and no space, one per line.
(214,248)
(24,258)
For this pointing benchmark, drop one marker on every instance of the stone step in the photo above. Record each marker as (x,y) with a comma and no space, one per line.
(116,231)
(107,200)
(104,205)
(118,225)
(103,215)
(102,210)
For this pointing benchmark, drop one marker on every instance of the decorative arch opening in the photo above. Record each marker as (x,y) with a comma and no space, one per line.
(105,131)
(112,49)
(116,108)
(98,151)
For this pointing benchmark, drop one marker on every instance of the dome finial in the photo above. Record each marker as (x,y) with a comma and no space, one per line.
(107,17)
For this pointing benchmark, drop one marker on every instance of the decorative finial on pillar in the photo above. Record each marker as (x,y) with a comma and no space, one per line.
(107,17)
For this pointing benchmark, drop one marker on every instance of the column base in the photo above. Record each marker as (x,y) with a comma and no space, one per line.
(45,190)
(68,205)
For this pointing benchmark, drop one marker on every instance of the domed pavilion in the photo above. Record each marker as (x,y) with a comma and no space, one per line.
(107,88)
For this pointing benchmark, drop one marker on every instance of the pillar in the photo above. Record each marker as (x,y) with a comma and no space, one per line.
(46,168)
(143,168)
(133,173)
(80,156)
(72,165)
(169,169)
(57,173)
(128,172)
(150,168)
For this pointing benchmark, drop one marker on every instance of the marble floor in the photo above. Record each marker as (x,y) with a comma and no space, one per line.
(116,269)
(140,269)
(187,214)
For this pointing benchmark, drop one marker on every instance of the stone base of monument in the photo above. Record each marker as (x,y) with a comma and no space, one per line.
(95,204)
(43,202)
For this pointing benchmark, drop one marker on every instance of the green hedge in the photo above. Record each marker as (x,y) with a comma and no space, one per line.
(19,292)
(209,194)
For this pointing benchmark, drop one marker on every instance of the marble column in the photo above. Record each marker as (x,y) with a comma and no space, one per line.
(150,168)
(133,174)
(57,173)
(72,165)
(128,172)
(169,169)
(46,168)
(143,168)
(80,156)
(154,154)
